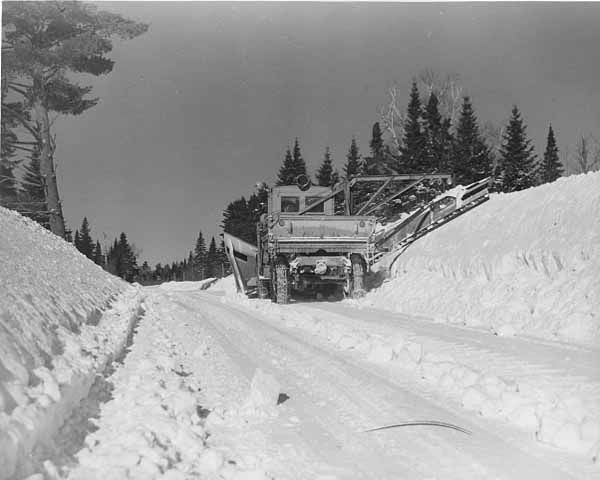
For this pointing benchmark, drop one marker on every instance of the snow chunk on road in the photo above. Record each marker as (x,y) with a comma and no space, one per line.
(264,393)
(226,285)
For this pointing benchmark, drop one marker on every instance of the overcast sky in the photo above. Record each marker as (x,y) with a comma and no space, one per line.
(203,105)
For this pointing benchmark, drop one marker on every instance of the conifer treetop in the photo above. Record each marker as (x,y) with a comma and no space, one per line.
(352,160)
(551,167)
(472,159)
(326,176)
(518,160)
(413,142)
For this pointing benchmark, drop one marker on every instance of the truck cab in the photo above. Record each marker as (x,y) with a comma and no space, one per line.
(289,199)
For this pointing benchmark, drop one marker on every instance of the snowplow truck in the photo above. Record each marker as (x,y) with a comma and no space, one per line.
(306,248)
(303,247)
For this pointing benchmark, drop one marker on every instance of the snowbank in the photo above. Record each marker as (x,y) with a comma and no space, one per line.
(62,319)
(155,425)
(526,262)
(187,286)
(225,285)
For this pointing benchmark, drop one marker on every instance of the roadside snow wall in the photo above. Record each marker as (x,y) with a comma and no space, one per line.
(525,262)
(62,319)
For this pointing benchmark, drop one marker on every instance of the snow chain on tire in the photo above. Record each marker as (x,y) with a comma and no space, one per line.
(358,279)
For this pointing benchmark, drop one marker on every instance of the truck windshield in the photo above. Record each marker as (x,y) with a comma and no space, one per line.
(290,204)
(318,208)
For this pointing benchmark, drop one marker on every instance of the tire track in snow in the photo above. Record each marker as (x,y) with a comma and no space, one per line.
(285,455)
(327,462)
(556,369)
(366,393)
(550,390)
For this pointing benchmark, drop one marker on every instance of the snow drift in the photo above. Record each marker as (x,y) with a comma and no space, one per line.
(526,262)
(62,319)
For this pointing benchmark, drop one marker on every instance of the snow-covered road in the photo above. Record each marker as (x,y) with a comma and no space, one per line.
(336,370)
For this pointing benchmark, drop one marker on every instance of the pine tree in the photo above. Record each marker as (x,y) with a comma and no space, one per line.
(77,241)
(472,159)
(184,270)
(121,259)
(434,151)
(376,163)
(353,160)
(238,221)
(413,142)
(212,260)
(111,257)
(286,175)
(98,257)
(257,205)
(326,176)
(299,163)
(551,168)
(190,267)
(145,273)
(447,148)
(47,42)
(158,272)
(200,258)
(517,160)
(127,263)
(166,273)
(86,244)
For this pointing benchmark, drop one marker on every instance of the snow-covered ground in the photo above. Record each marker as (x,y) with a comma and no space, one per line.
(521,263)
(219,386)
(215,385)
(62,320)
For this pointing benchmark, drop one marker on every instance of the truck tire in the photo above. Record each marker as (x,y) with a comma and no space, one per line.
(358,278)
(282,288)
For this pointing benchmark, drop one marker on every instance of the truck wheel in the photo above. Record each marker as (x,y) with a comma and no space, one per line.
(358,278)
(282,289)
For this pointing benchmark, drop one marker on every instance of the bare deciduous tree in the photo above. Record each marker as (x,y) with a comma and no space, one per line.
(393,118)
(448,90)
(449,93)
(586,157)
(493,134)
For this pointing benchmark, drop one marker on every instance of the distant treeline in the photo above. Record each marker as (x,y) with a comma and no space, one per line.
(439,134)
(121,259)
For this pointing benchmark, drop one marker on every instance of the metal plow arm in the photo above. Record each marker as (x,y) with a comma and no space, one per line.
(242,256)
(393,240)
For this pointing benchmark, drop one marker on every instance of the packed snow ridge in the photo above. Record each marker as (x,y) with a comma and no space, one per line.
(522,263)
(62,320)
